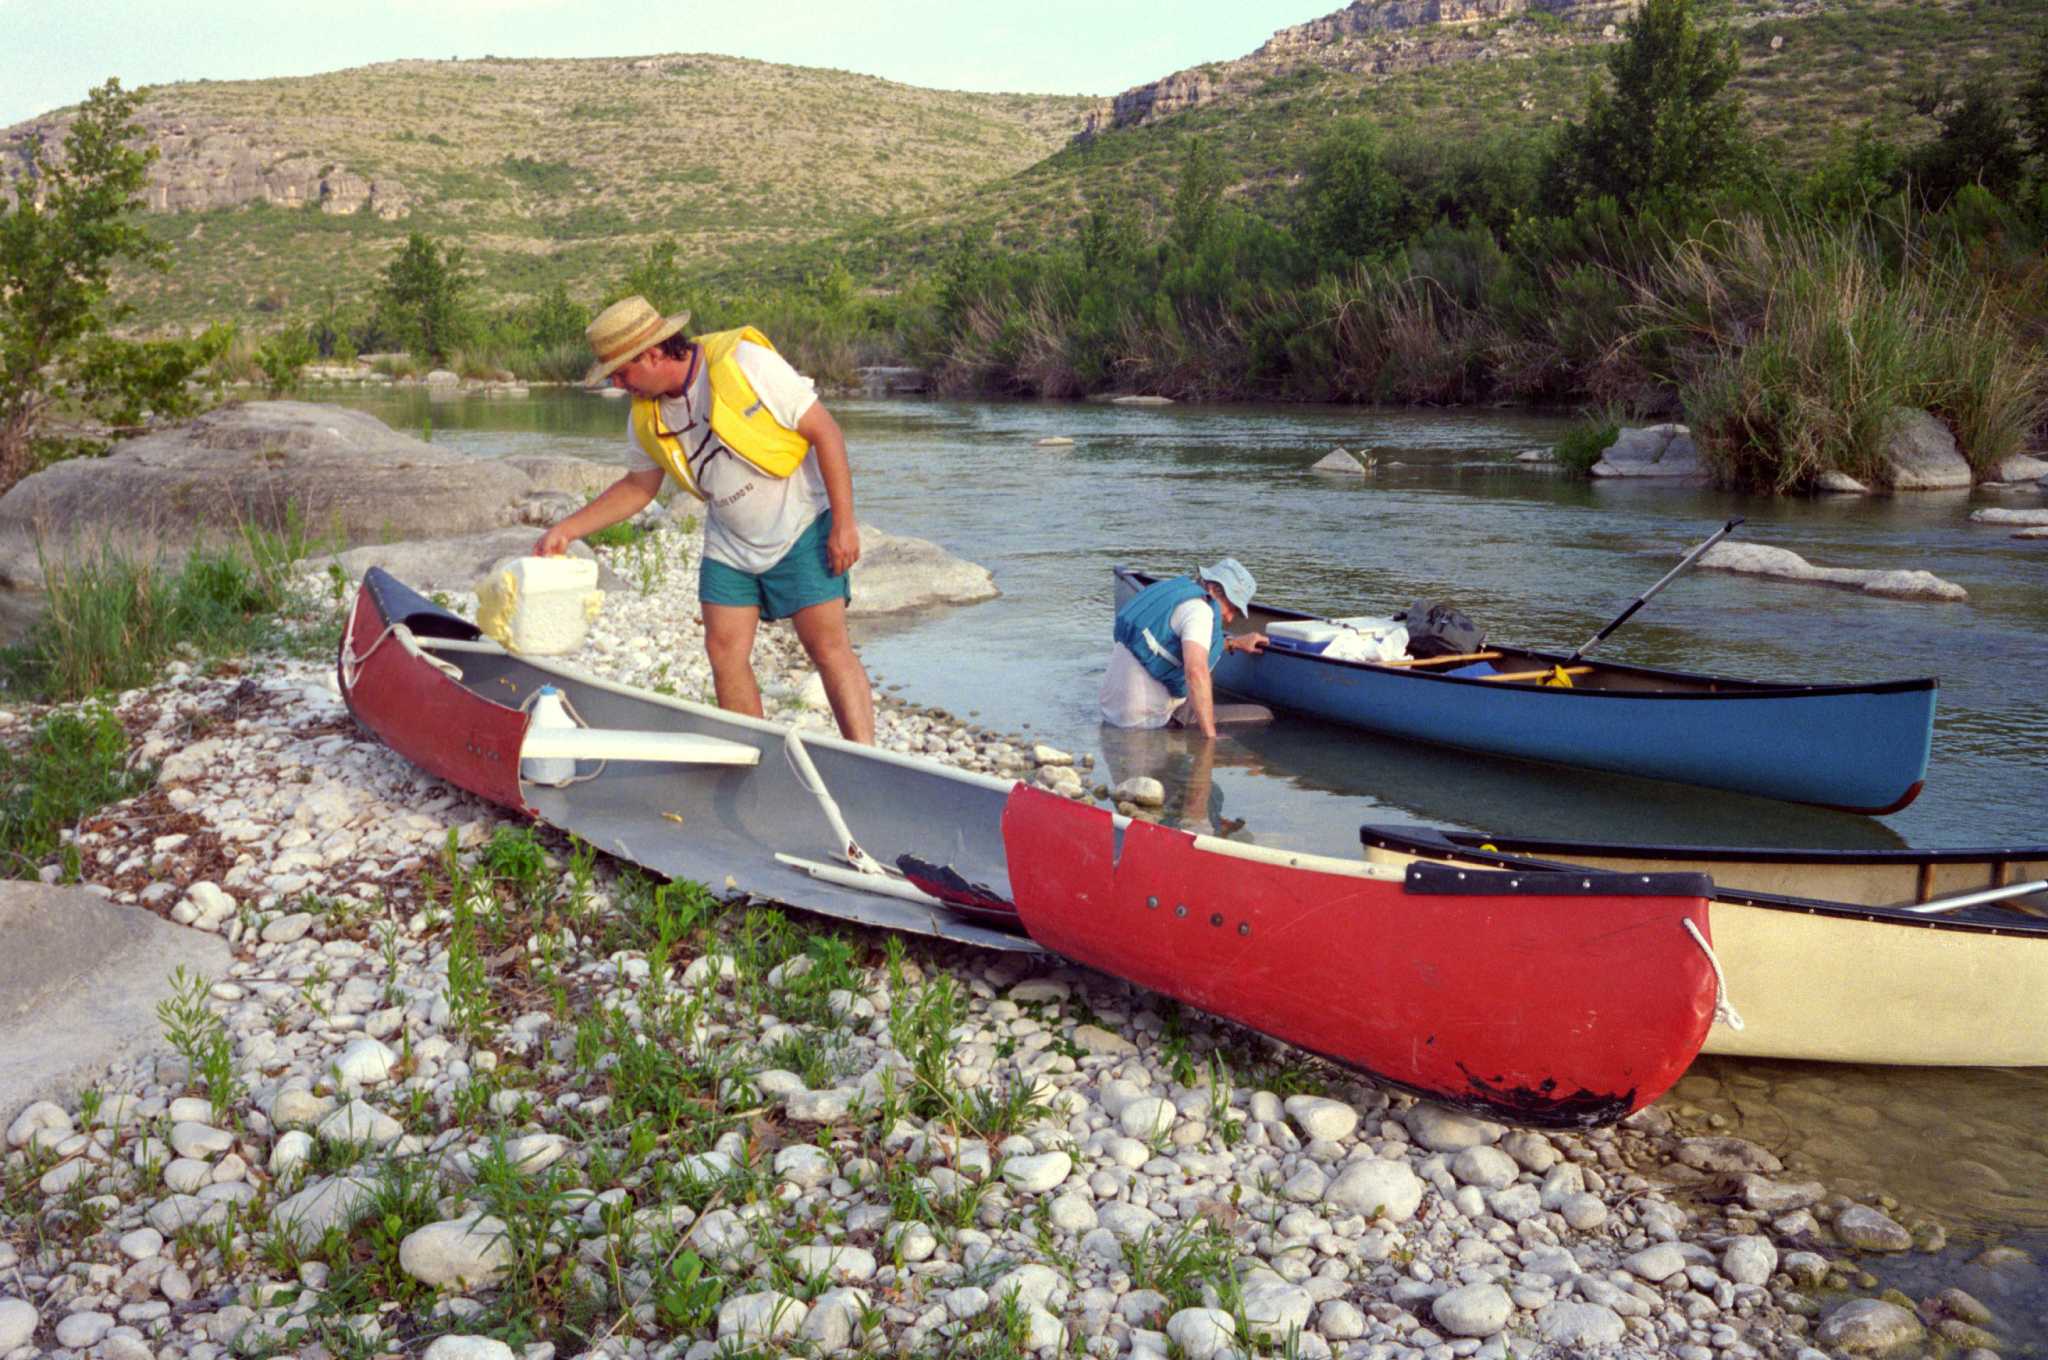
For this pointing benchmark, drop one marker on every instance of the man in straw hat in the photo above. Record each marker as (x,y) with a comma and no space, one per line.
(745,433)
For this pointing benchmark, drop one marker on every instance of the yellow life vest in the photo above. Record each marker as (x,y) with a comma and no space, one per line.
(738,417)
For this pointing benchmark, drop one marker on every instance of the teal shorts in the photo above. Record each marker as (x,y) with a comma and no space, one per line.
(800,580)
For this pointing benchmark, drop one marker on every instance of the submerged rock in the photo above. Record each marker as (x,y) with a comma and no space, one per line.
(2027,519)
(1757,559)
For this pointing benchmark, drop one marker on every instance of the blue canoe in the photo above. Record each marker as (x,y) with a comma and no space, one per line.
(1858,748)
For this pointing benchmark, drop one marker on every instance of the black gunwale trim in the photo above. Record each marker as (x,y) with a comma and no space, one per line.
(1731,688)
(1436,843)
(1427,878)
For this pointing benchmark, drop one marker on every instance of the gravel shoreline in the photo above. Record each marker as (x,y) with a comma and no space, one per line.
(469,1092)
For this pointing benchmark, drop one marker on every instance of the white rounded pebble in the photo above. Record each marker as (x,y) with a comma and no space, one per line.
(1146,1118)
(80,1330)
(141,1244)
(365,1062)
(1322,1118)
(468,1348)
(1749,1260)
(1486,1167)
(764,1316)
(1373,1186)
(18,1322)
(1035,1175)
(1202,1333)
(1475,1310)
(462,1252)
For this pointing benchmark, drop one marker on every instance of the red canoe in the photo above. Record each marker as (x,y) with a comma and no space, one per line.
(1513,996)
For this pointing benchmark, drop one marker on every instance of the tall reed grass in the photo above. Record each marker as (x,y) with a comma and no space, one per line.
(1797,346)
(113,619)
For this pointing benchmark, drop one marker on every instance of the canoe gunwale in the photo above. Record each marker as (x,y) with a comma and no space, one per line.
(1437,844)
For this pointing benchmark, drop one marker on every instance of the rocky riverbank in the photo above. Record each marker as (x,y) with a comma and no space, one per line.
(468,1091)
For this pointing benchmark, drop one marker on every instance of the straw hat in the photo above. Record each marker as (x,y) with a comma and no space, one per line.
(627,328)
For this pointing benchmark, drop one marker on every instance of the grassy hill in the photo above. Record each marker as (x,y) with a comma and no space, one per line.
(1835,65)
(551,170)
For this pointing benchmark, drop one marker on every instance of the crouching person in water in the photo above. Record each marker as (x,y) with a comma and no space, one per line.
(742,431)
(1169,636)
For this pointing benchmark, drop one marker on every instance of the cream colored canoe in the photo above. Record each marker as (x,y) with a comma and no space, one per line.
(1825,956)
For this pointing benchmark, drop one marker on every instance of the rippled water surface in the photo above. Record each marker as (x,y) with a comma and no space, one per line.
(1535,557)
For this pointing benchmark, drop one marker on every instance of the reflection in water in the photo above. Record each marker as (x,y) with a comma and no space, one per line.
(1960,1147)
(1184,763)
(1433,784)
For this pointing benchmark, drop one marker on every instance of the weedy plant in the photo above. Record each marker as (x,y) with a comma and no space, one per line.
(201,1038)
(1179,1264)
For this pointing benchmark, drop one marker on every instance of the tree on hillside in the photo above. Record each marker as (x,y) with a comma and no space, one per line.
(1351,207)
(1978,145)
(68,223)
(423,296)
(2034,101)
(1668,131)
(1198,196)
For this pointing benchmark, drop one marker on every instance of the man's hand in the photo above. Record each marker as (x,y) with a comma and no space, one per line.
(842,545)
(553,543)
(1246,642)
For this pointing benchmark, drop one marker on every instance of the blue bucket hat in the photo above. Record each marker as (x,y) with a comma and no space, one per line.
(1237,583)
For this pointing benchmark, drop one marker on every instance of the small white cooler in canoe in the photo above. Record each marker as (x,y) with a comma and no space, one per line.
(1359,639)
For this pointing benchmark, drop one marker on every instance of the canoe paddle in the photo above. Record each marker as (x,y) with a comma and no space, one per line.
(1644,598)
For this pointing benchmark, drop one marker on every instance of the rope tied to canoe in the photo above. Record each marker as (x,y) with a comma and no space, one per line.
(1724,1009)
(351,662)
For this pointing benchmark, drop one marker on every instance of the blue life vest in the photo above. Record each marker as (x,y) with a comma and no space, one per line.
(1145,626)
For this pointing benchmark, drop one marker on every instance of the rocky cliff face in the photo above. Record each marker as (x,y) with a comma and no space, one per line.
(214,163)
(1378,37)
(1363,17)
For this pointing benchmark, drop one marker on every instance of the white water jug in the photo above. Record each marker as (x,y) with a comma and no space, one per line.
(554,771)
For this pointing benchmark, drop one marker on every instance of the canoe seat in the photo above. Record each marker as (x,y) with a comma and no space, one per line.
(615,743)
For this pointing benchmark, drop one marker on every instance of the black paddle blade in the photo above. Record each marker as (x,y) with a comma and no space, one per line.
(977,901)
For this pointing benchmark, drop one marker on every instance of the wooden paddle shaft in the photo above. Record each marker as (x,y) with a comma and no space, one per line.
(1536,675)
(1441,660)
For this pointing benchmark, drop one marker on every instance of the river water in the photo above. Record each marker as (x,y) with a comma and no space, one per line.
(1537,558)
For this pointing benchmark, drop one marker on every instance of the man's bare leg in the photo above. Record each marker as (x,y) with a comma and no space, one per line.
(822,630)
(729,642)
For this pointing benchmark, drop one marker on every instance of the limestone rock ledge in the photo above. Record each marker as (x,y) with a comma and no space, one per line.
(1756,559)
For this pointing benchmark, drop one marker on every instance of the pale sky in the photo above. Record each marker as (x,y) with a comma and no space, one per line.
(53,51)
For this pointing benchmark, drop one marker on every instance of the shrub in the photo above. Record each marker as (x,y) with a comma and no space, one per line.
(72,764)
(1582,445)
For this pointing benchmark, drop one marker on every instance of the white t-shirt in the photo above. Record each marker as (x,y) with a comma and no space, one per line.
(750,518)
(1131,696)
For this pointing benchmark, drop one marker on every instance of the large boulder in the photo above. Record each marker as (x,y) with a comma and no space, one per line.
(1922,454)
(250,463)
(1652,451)
(1757,559)
(897,573)
(2023,467)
